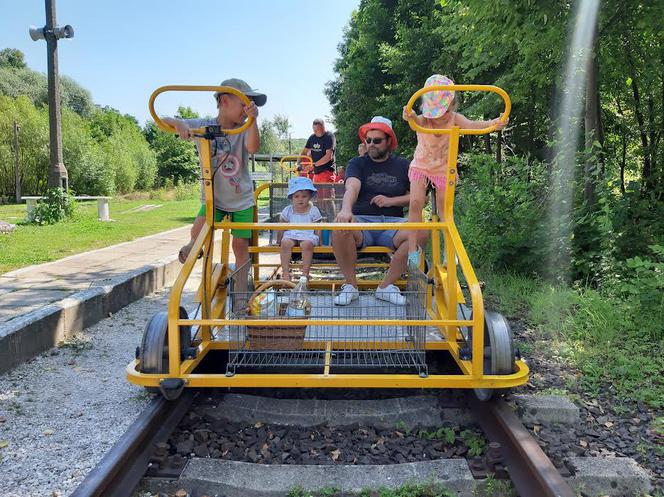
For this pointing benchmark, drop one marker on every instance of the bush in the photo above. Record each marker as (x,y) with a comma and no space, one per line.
(55,206)
(501,212)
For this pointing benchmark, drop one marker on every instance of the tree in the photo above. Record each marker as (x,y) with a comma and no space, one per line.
(176,159)
(13,58)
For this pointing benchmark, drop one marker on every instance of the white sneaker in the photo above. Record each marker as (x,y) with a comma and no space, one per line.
(347,294)
(391,294)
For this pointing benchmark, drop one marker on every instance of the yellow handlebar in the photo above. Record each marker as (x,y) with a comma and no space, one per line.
(301,158)
(219,89)
(482,131)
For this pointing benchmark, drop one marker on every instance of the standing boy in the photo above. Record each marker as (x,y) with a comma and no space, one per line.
(232,186)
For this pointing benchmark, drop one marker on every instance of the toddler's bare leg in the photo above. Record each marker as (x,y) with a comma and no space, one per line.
(307,256)
(286,251)
(418,192)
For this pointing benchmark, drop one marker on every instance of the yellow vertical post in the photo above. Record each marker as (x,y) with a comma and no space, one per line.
(208,247)
(448,216)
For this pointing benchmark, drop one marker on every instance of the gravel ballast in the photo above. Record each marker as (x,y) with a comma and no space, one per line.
(62,411)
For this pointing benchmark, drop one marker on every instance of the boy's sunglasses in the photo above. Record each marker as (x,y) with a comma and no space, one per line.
(377,141)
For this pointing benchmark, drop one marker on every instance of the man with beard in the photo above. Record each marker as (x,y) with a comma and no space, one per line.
(377,190)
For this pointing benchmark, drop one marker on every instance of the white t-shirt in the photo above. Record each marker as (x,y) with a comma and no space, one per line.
(312,216)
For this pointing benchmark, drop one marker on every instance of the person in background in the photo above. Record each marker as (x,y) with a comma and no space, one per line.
(321,146)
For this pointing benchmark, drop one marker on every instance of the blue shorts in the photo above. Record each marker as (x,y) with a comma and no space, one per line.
(380,238)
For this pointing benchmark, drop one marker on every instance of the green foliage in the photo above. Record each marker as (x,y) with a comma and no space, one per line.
(33,145)
(11,57)
(445,433)
(501,211)
(32,244)
(17,79)
(612,335)
(491,487)
(55,206)
(176,159)
(428,489)
(476,443)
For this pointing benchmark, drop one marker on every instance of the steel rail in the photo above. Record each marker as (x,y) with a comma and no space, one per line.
(121,469)
(530,470)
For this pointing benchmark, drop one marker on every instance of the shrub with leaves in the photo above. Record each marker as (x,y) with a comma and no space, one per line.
(55,206)
(501,211)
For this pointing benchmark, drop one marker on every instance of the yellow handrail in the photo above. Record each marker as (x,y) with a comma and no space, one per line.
(219,89)
(293,169)
(447,131)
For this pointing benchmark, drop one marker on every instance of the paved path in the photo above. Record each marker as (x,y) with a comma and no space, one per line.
(27,289)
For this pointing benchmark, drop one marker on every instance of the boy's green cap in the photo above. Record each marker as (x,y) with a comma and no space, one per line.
(258,98)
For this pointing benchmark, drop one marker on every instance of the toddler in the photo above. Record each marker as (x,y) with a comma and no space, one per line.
(429,164)
(301,210)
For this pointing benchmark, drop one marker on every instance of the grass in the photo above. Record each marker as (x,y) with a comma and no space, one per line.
(31,244)
(427,489)
(601,336)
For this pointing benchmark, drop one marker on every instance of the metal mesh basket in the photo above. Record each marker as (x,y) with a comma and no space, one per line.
(273,337)
(396,345)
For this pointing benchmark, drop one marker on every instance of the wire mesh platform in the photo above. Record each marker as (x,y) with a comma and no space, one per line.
(365,346)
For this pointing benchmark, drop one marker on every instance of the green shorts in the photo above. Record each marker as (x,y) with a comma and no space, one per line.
(243,216)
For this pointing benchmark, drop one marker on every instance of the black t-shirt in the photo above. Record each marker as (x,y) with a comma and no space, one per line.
(318,146)
(389,178)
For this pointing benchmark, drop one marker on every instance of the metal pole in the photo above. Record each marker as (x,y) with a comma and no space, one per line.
(57,174)
(17,174)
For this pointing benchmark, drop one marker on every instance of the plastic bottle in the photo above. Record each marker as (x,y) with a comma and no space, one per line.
(297,302)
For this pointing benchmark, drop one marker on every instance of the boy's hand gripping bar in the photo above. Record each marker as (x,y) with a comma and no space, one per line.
(206,130)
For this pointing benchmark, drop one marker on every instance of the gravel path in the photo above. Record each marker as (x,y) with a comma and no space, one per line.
(61,412)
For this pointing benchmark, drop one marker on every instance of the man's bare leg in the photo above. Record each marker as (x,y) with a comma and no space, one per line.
(344,244)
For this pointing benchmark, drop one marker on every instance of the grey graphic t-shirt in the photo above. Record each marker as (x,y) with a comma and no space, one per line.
(233,188)
(389,178)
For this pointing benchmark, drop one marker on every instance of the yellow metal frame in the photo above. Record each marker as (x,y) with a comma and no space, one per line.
(442,306)
(283,163)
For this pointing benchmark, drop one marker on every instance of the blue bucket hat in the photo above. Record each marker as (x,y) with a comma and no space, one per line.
(301,183)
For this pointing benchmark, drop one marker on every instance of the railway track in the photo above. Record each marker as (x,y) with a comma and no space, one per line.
(121,470)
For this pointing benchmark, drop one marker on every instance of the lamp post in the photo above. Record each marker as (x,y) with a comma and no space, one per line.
(57,174)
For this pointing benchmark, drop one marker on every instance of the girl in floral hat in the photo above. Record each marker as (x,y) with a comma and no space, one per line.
(429,164)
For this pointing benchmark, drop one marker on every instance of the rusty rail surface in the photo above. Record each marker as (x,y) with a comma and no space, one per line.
(530,470)
(122,468)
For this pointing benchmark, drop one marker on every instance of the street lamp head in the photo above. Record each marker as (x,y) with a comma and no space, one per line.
(37,33)
(66,31)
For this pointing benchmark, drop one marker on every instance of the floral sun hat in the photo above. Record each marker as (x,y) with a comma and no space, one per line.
(436,103)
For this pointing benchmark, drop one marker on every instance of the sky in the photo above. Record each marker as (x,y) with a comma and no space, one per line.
(123,50)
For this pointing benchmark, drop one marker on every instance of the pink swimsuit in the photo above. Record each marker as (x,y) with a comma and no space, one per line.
(430,160)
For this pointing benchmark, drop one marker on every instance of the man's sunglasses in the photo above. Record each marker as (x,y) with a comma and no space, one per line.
(377,141)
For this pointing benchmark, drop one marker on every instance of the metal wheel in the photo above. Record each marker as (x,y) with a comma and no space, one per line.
(153,354)
(498,350)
